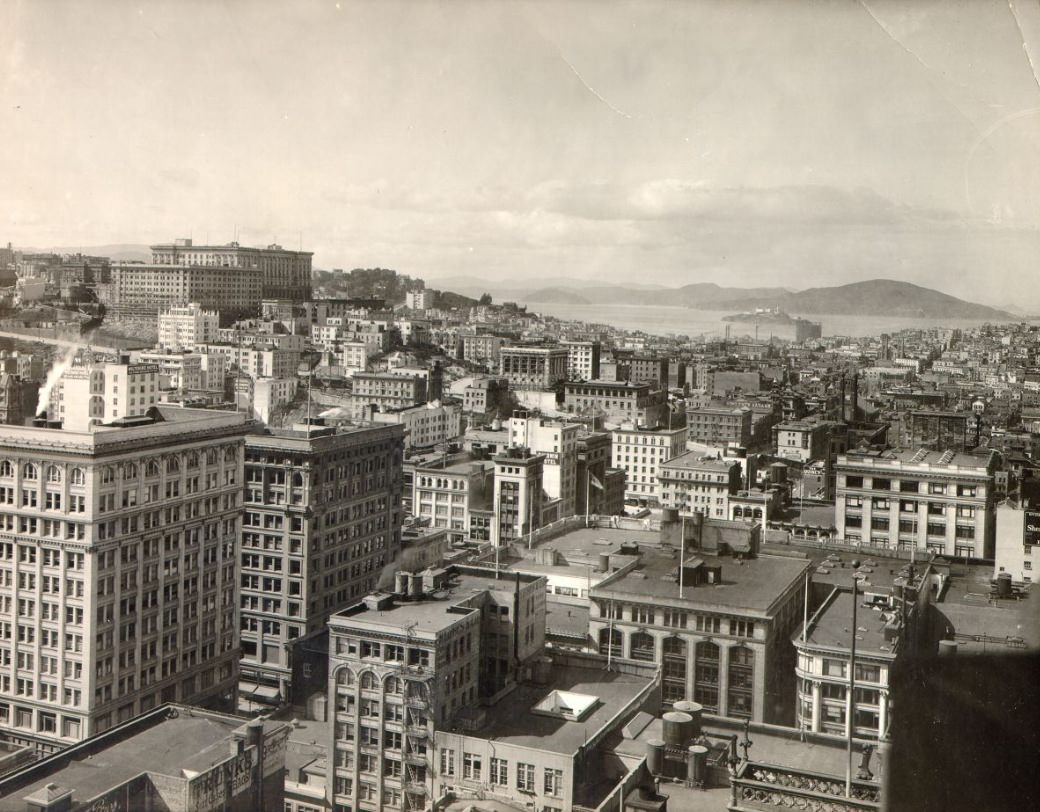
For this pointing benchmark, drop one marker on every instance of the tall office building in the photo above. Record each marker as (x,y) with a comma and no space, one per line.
(117,570)
(518,495)
(558,443)
(322,519)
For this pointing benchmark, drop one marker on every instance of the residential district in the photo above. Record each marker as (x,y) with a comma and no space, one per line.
(270,542)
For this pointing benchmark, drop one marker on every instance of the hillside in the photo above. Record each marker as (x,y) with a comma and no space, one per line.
(888,296)
(874,296)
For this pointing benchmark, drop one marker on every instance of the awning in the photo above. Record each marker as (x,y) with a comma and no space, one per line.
(253,691)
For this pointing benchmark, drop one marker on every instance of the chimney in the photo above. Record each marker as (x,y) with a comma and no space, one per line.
(50,798)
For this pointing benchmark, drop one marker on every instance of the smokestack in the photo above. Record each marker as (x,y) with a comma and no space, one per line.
(855,397)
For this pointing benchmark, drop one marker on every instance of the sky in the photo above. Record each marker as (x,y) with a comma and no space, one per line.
(787,142)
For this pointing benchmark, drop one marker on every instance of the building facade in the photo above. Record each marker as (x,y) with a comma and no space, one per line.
(285,274)
(640,454)
(183,328)
(925,500)
(692,483)
(582,359)
(119,571)
(533,367)
(719,426)
(322,518)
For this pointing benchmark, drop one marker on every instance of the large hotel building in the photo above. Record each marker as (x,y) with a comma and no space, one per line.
(117,569)
(285,274)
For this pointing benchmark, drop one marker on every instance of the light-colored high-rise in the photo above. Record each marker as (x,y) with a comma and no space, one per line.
(118,570)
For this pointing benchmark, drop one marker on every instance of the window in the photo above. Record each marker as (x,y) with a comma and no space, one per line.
(741,681)
(525,777)
(643,614)
(447,762)
(642,647)
(553,782)
(499,771)
(471,766)
(937,487)
(706,675)
(835,668)
(610,642)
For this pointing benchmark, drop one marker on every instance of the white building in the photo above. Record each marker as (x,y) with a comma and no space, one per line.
(640,453)
(427,424)
(558,442)
(1017,540)
(182,328)
(419,299)
(92,394)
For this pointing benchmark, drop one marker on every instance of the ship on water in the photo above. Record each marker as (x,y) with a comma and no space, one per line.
(804,329)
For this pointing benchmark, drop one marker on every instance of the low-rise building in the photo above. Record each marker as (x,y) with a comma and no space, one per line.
(693,483)
(427,424)
(172,757)
(719,625)
(612,403)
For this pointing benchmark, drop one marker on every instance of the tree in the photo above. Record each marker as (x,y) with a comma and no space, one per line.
(485,299)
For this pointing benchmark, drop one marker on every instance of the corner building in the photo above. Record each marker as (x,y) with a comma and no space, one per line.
(117,571)
(322,519)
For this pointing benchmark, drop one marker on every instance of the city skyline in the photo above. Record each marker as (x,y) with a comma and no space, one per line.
(736,143)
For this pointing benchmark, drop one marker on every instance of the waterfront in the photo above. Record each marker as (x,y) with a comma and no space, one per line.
(660,320)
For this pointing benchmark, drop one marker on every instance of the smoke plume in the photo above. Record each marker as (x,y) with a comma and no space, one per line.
(53,376)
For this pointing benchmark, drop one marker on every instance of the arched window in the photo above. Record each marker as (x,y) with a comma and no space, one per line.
(416,691)
(108,474)
(369,681)
(211,456)
(674,669)
(29,471)
(741,681)
(344,677)
(642,647)
(393,685)
(78,476)
(706,675)
(151,468)
(53,473)
(297,479)
(610,642)
(192,461)
(6,469)
(230,454)
(173,465)
(129,471)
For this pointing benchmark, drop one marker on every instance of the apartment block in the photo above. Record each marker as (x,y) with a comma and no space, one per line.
(719,426)
(582,359)
(183,328)
(558,443)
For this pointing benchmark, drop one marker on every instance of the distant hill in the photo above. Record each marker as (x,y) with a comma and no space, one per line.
(874,296)
(888,296)
(119,253)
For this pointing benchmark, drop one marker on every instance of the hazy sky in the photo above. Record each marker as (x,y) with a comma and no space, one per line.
(795,143)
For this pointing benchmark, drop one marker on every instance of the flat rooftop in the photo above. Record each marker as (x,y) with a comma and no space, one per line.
(193,740)
(430,615)
(919,457)
(981,623)
(749,585)
(698,461)
(512,721)
(566,619)
(832,626)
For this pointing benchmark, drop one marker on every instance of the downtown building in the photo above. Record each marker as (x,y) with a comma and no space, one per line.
(925,500)
(118,569)
(405,665)
(322,519)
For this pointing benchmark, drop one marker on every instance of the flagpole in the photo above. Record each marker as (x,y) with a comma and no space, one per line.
(852,690)
(587,495)
(682,553)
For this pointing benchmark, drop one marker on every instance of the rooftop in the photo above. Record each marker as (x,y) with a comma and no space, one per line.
(921,457)
(514,721)
(831,627)
(192,740)
(696,460)
(748,585)
(432,615)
